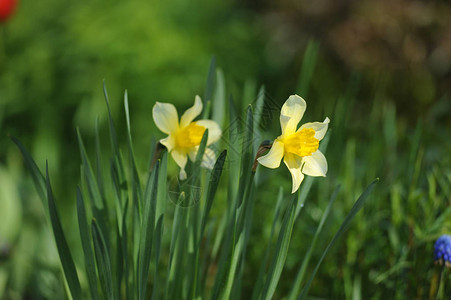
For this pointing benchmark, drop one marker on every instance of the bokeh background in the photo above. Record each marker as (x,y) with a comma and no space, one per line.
(382,65)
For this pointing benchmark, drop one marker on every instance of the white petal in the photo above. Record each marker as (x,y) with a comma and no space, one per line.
(208,160)
(291,113)
(214,131)
(319,127)
(165,117)
(192,153)
(168,142)
(182,174)
(191,113)
(274,156)
(293,164)
(180,159)
(315,164)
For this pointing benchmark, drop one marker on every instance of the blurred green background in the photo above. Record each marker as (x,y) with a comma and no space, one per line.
(382,75)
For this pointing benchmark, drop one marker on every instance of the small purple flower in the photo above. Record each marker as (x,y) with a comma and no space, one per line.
(442,250)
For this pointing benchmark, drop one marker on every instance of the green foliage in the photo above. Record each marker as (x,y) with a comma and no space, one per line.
(229,233)
(123,258)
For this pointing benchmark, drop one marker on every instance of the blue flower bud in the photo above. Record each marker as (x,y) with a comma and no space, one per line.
(442,250)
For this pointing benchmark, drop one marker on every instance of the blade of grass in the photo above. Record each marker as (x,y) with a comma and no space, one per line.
(226,228)
(135,181)
(162,187)
(211,191)
(280,254)
(184,251)
(147,230)
(234,155)
(247,156)
(225,255)
(210,84)
(113,134)
(67,262)
(191,229)
(85,237)
(36,175)
(176,228)
(103,262)
(219,99)
(93,188)
(99,161)
(249,212)
(126,255)
(308,66)
(263,266)
(215,176)
(259,107)
(177,250)
(300,276)
(157,250)
(242,203)
(159,217)
(117,160)
(99,207)
(354,210)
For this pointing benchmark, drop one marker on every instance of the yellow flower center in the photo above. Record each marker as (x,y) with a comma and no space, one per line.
(302,143)
(189,136)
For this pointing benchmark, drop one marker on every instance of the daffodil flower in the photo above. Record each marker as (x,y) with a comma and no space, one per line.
(184,137)
(297,147)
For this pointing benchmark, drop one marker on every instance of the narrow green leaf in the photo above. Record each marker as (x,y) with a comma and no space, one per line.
(249,91)
(300,276)
(211,191)
(38,178)
(135,181)
(263,266)
(86,245)
(236,255)
(147,230)
(99,161)
(104,267)
(157,246)
(177,252)
(113,134)
(219,99)
(67,262)
(199,156)
(235,239)
(234,154)
(243,204)
(123,262)
(117,158)
(308,66)
(210,85)
(248,214)
(225,255)
(354,210)
(93,188)
(162,194)
(259,107)
(247,155)
(99,207)
(280,255)
(162,187)
(259,110)
(212,187)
